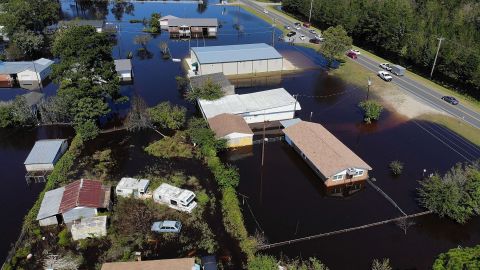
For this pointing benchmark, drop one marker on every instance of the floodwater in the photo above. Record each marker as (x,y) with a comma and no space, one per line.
(286,198)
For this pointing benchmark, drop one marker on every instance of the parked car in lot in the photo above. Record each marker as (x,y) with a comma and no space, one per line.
(314,41)
(320,38)
(291,34)
(265,11)
(167,226)
(385,75)
(287,27)
(302,37)
(357,52)
(298,27)
(386,66)
(450,100)
(312,31)
(306,25)
(352,55)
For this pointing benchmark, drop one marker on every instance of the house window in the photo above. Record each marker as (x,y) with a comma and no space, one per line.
(358,173)
(337,177)
(172,202)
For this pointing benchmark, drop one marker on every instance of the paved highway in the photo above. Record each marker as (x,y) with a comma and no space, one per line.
(409,85)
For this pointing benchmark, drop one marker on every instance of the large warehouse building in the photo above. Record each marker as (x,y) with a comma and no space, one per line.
(235,59)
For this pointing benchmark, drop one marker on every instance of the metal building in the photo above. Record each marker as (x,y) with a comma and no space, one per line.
(235,59)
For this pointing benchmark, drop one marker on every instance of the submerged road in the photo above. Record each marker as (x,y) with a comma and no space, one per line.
(409,85)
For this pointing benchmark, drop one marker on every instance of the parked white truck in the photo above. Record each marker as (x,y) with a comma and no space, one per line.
(174,197)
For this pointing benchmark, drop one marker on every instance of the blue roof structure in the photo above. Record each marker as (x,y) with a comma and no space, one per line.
(235,53)
(9,68)
(44,152)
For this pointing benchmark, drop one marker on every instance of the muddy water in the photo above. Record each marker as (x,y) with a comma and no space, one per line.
(285,196)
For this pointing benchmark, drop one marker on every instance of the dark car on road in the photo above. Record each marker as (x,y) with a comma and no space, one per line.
(352,55)
(291,34)
(450,100)
(315,41)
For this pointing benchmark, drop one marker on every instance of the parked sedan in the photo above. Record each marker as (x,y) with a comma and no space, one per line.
(312,31)
(302,37)
(357,52)
(287,27)
(167,226)
(265,11)
(450,100)
(386,66)
(298,27)
(291,34)
(385,75)
(315,41)
(352,55)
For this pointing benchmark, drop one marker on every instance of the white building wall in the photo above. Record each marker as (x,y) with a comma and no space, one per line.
(275,64)
(210,68)
(230,68)
(78,213)
(48,221)
(245,67)
(260,66)
(39,167)
(274,114)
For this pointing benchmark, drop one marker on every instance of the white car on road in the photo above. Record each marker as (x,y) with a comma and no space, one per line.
(357,52)
(265,11)
(386,66)
(385,75)
(302,37)
(298,27)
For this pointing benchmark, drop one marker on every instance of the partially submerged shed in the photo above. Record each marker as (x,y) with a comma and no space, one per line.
(123,67)
(29,74)
(192,27)
(215,78)
(232,128)
(42,158)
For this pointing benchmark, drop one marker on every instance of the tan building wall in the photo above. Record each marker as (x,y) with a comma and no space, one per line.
(331,183)
(239,142)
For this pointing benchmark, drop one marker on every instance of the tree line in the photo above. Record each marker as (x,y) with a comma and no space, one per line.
(407,32)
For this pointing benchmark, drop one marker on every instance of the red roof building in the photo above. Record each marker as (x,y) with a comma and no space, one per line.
(85,193)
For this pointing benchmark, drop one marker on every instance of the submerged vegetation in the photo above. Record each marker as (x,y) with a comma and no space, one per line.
(208,91)
(371,110)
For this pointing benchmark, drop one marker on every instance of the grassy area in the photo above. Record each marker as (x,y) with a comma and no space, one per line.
(465,99)
(353,73)
(465,130)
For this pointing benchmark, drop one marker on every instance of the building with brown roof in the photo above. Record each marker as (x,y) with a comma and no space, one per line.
(168,264)
(233,128)
(334,162)
(80,199)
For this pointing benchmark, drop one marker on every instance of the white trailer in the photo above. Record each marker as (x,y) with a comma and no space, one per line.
(132,187)
(174,197)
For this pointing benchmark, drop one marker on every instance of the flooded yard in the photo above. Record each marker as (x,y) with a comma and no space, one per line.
(285,200)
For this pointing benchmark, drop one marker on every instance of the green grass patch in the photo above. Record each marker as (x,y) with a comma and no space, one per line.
(456,125)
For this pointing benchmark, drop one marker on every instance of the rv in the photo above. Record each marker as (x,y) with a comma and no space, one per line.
(174,197)
(132,187)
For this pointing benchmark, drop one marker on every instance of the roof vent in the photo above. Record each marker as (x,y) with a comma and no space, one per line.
(351,171)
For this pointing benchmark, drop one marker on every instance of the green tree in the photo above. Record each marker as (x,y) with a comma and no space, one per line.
(35,15)
(455,195)
(6,118)
(155,22)
(371,110)
(28,42)
(396,167)
(87,130)
(64,238)
(336,43)
(167,115)
(208,91)
(458,258)
(262,262)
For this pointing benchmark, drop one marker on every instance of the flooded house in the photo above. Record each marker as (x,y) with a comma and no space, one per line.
(28,74)
(330,159)
(270,105)
(165,264)
(216,78)
(132,187)
(80,199)
(235,59)
(164,21)
(123,67)
(97,24)
(43,157)
(192,27)
(232,128)
(174,197)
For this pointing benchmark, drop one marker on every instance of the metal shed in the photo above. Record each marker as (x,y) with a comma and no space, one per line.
(50,207)
(236,59)
(123,67)
(42,158)
(132,187)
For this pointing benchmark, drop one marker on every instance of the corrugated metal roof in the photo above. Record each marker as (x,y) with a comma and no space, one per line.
(290,122)
(209,22)
(123,65)
(239,104)
(88,227)
(51,203)
(168,17)
(235,53)
(39,65)
(44,152)
(168,264)
(133,183)
(85,193)
(94,23)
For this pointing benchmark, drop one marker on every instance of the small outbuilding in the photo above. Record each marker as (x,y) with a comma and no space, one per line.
(50,207)
(215,78)
(89,228)
(192,27)
(174,197)
(29,75)
(270,105)
(235,59)
(164,21)
(232,128)
(166,264)
(43,157)
(97,24)
(124,69)
(330,159)
(132,187)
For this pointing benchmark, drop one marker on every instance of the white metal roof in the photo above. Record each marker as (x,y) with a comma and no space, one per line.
(235,53)
(123,65)
(44,151)
(133,183)
(238,104)
(51,203)
(169,191)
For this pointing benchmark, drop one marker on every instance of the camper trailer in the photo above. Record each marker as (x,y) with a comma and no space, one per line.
(174,197)
(132,187)
(398,70)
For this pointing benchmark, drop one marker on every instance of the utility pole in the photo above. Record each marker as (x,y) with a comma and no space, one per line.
(263,143)
(368,89)
(310,14)
(295,105)
(273,32)
(436,55)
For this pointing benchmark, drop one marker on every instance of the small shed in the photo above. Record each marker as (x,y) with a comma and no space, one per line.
(232,128)
(89,228)
(49,213)
(164,21)
(28,74)
(192,27)
(216,78)
(236,59)
(166,264)
(97,24)
(124,69)
(132,187)
(43,157)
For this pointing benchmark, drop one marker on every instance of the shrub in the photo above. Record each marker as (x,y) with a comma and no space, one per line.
(170,147)
(167,115)
(455,195)
(458,258)
(262,262)
(87,130)
(226,176)
(371,110)
(64,239)
(396,167)
(209,91)
(202,198)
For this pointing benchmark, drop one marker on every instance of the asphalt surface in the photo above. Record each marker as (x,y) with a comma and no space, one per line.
(409,85)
